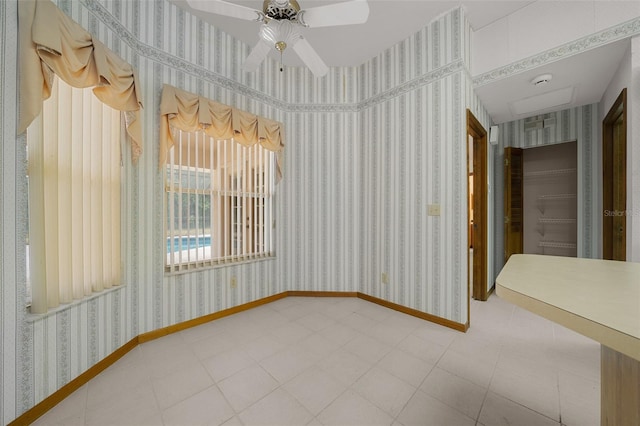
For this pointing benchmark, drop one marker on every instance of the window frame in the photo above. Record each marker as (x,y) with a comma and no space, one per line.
(249,193)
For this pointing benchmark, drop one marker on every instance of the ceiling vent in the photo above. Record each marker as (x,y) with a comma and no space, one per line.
(542,103)
(536,124)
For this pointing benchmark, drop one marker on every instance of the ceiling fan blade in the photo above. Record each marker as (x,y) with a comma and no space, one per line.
(310,57)
(257,55)
(346,13)
(220,7)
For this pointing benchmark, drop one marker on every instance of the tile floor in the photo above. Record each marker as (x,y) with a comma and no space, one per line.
(345,361)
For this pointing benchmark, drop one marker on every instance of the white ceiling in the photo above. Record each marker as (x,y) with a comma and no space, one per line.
(588,74)
(391,21)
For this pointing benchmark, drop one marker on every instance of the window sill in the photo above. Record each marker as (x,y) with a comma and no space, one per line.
(198,267)
(31,318)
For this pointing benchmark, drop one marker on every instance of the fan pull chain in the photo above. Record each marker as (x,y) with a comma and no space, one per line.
(280,46)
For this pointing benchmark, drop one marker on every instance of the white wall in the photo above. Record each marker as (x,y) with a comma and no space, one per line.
(543,25)
(633,152)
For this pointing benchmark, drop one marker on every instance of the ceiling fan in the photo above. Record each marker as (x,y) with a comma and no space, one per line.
(282,21)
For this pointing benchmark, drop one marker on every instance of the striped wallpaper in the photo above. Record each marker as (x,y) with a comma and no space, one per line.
(12,228)
(367,148)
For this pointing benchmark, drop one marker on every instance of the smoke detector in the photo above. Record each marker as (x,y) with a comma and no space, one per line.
(541,79)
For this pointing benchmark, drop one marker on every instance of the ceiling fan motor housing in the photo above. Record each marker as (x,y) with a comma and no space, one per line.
(281,9)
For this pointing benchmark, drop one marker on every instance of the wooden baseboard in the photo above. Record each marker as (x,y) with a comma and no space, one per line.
(58,396)
(52,400)
(300,293)
(161,332)
(416,313)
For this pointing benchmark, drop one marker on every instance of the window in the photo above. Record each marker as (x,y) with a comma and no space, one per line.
(219,201)
(74,197)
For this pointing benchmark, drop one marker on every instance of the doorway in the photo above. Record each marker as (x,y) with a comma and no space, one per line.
(614,180)
(477,208)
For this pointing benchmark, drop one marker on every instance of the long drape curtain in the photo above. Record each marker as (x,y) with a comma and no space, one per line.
(189,112)
(51,43)
(91,102)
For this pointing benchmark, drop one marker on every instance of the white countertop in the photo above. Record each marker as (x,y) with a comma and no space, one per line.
(597,298)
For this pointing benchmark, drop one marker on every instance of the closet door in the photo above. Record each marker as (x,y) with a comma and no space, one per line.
(512,202)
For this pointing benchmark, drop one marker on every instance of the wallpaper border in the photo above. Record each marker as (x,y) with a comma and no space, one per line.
(581,45)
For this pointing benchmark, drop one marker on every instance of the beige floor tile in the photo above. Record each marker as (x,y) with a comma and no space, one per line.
(227,363)
(423,349)
(213,345)
(316,321)
(345,366)
(180,385)
(389,334)
(384,390)
(288,363)
(318,345)
(70,412)
(472,369)
(357,321)
(353,410)
(290,332)
(315,389)
(499,411)
(368,348)
(133,406)
(423,409)
(539,395)
(454,391)
(263,347)
(208,407)
(406,367)
(579,400)
(247,386)
(434,333)
(277,408)
(100,390)
(339,333)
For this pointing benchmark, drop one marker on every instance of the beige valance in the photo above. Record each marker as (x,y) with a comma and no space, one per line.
(52,43)
(189,112)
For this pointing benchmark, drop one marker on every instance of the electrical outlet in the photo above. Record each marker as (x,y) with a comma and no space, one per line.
(385,278)
(234,282)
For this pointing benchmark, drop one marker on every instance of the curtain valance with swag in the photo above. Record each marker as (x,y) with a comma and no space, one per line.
(189,112)
(52,43)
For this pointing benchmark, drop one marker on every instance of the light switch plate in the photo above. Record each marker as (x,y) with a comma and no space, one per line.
(433,210)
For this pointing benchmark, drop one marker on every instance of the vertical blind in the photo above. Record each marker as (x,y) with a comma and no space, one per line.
(74,197)
(219,201)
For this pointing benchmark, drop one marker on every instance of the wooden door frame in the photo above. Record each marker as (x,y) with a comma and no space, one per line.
(510,154)
(619,108)
(479,134)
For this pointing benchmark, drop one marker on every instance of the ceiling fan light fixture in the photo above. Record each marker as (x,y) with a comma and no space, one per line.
(279,31)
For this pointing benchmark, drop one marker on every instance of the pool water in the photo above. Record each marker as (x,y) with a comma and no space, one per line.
(186,243)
